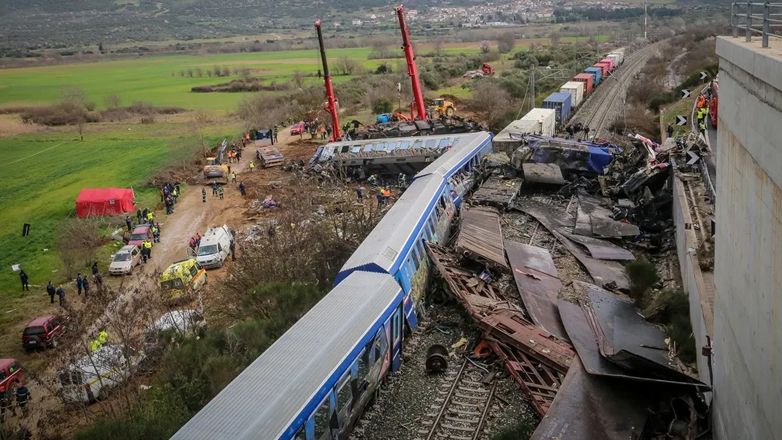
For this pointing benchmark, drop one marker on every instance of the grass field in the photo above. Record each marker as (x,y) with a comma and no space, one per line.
(41,189)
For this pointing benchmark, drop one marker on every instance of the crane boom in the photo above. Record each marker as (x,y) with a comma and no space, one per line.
(412,69)
(332,103)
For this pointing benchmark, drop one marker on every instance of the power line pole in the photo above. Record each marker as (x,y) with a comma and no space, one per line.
(646,23)
(532,85)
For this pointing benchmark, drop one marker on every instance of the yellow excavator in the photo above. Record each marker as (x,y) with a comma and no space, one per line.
(215,169)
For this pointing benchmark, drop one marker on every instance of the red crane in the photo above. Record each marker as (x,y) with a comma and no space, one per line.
(331,107)
(412,70)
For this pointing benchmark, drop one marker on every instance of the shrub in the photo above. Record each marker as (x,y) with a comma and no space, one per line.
(382,105)
(643,275)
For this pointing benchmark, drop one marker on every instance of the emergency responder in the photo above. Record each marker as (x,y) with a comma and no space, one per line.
(94,268)
(203,195)
(86,285)
(98,280)
(220,191)
(359,193)
(386,195)
(23,279)
(155,234)
(274,133)
(6,405)
(214,189)
(129,222)
(702,127)
(670,130)
(233,250)
(50,290)
(252,167)
(233,177)
(175,194)
(61,294)
(138,216)
(148,248)
(79,283)
(23,397)
(242,189)
(150,217)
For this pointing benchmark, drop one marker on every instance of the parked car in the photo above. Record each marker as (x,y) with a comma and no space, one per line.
(215,247)
(125,260)
(181,279)
(140,234)
(92,377)
(297,128)
(10,375)
(43,332)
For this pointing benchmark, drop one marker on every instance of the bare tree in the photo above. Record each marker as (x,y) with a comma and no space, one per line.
(199,72)
(506,42)
(226,71)
(438,47)
(554,38)
(485,47)
(73,95)
(298,79)
(347,66)
(490,101)
(379,49)
(113,101)
(78,241)
(190,73)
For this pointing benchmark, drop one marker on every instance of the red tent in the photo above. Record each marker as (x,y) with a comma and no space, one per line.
(99,202)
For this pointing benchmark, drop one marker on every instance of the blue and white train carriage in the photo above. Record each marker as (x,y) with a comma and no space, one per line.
(314,382)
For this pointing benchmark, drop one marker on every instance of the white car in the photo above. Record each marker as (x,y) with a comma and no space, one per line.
(125,260)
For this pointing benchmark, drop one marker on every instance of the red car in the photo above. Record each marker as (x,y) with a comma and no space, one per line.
(140,234)
(43,331)
(297,128)
(10,374)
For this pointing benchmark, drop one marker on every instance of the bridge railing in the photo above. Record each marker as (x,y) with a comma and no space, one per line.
(764,19)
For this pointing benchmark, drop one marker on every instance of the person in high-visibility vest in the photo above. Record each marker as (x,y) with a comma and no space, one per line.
(147,247)
(233,176)
(103,337)
(150,217)
(702,127)
(252,166)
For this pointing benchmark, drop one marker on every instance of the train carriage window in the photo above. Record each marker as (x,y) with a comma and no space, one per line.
(431,143)
(404,145)
(420,248)
(322,418)
(380,147)
(367,148)
(363,364)
(344,394)
(417,145)
(456,141)
(444,142)
(391,146)
(301,435)
(345,148)
(416,257)
(356,149)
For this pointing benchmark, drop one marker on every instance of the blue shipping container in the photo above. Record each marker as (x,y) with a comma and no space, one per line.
(560,102)
(596,71)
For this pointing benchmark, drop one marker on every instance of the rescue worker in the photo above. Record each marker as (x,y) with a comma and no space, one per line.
(23,279)
(252,167)
(144,215)
(175,194)
(701,100)
(242,189)
(148,246)
(98,279)
(155,234)
(670,130)
(233,177)
(86,284)
(94,268)
(129,222)
(138,216)
(103,338)
(203,195)
(233,250)
(6,405)
(192,244)
(50,290)
(61,293)
(79,283)
(198,239)
(359,193)
(402,180)
(379,198)
(386,196)
(586,132)
(214,189)
(702,127)
(275,133)
(22,398)
(150,217)
(220,191)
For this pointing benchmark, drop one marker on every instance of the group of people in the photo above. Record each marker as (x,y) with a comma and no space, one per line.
(144,216)
(703,110)
(574,129)
(169,195)
(195,241)
(234,155)
(316,129)
(22,397)
(82,284)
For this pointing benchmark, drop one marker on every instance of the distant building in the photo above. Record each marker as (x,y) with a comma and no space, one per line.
(357,22)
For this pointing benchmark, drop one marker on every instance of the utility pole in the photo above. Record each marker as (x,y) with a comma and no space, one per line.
(646,23)
(532,85)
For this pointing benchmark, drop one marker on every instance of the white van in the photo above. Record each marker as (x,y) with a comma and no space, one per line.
(91,377)
(215,247)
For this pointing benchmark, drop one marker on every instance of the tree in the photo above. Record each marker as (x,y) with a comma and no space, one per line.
(379,49)
(298,79)
(347,66)
(113,101)
(73,95)
(506,42)
(199,72)
(382,105)
(485,47)
(491,102)
(438,47)
(554,38)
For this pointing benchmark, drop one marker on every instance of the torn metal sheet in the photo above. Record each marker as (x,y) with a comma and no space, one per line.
(601,249)
(481,235)
(629,340)
(600,221)
(603,272)
(539,284)
(496,191)
(593,407)
(474,293)
(510,327)
(543,173)
(539,382)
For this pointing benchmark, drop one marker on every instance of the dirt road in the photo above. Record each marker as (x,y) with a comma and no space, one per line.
(190,215)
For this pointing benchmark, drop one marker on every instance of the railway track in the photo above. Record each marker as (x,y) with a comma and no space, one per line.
(461,406)
(597,113)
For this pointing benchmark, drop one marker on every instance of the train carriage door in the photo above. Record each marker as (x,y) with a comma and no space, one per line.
(396,337)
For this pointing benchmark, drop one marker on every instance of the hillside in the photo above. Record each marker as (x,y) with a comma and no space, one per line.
(35,24)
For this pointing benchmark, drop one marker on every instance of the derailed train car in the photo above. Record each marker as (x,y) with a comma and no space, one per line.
(315,381)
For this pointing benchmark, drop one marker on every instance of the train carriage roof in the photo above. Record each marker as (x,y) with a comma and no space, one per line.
(264,400)
(381,250)
(449,163)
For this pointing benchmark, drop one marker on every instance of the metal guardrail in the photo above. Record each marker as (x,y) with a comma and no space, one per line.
(757,18)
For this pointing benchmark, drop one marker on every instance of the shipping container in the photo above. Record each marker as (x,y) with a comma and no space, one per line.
(620,53)
(546,117)
(587,79)
(596,72)
(510,138)
(560,102)
(576,90)
(610,62)
(603,69)
(617,59)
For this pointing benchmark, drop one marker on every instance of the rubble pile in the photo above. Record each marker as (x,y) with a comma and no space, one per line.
(442,125)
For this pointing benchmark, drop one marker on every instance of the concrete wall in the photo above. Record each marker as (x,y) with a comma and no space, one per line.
(701,315)
(748,260)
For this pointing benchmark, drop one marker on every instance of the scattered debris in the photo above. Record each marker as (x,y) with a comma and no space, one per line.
(269,157)
(480,236)
(543,173)
(437,358)
(496,191)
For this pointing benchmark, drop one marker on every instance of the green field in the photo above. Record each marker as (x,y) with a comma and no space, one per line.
(150,78)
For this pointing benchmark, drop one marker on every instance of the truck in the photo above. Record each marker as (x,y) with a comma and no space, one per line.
(576,90)
(43,332)
(216,169)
